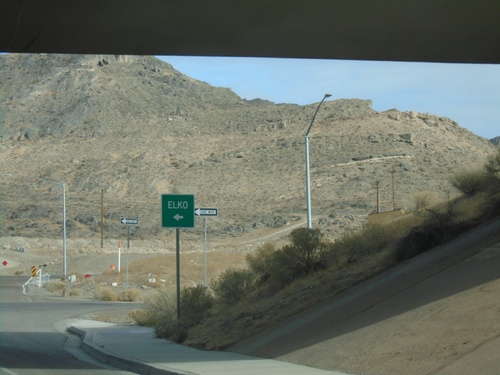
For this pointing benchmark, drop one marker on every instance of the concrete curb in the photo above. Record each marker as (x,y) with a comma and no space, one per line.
(102,355)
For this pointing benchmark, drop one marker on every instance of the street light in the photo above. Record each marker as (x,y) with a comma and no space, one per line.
(63,186)
(308,182)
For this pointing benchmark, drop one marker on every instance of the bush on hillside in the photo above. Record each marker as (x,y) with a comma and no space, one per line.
(171,328)
(260,262)
(273,269)
(195,304)
(307,246)
(471,181)
(160,312)
(156,307)
(354,246)
(417,241)
(492,168)
(423,201)
(232,286)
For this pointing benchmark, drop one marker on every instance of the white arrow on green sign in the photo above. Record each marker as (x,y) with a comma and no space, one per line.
(177,211)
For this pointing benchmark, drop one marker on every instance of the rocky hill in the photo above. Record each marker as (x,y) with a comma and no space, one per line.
(133,128)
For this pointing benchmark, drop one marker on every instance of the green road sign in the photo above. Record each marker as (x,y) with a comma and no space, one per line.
(177,211)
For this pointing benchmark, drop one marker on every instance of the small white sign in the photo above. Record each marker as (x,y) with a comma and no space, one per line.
(206,211)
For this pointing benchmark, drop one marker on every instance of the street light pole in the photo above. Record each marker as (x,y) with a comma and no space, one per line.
(308,178)
(63,186)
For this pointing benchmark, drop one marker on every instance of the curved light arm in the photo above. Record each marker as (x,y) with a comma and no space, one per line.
(315,113)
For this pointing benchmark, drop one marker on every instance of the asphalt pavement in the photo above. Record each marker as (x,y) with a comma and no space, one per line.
(135,348)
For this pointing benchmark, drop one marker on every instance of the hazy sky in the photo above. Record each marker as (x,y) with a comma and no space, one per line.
(468,94)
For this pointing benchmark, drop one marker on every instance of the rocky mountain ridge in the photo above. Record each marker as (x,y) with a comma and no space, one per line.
(132,128)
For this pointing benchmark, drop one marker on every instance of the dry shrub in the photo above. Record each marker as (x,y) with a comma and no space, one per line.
(172,329)
(75,292)
(143,317)
(130,295)
(425,200)
(161,303)
(196,302)
(106,294)
(471,181)
(19,272)
(356,245)
(232,286)
(470,208)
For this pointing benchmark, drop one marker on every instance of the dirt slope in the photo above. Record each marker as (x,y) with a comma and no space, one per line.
(436,314)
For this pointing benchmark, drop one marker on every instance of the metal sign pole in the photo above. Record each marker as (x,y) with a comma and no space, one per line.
(128,254)
(178,265)
(119,255)
(205,212)
(205,252)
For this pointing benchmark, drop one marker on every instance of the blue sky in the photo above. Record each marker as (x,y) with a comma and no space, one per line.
(467,93)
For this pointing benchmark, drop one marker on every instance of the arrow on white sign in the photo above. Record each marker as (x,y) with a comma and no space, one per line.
(205,211)
(125,220)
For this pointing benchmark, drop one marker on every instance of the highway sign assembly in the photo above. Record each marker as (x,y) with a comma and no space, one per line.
(206,211)
(177,211)
(128,220)
(33,271)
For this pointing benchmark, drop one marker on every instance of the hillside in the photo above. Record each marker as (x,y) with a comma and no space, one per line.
(136,128)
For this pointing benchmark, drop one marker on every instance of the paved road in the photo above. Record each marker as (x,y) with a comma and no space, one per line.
(33,339)
(435,314)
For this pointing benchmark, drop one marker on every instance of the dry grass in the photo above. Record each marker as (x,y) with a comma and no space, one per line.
(162,268)
(469,209)
(56,287)
(106,294)
(130,295)
(143,317)
(75,292)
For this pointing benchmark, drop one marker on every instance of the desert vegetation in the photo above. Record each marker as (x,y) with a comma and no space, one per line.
(279,282)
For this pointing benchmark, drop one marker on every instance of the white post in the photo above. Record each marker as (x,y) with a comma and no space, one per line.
(119,254)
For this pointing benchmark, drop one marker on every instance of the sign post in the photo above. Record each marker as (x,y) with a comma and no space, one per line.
(204,212)
(129,221)
(177,211)
(119,254)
